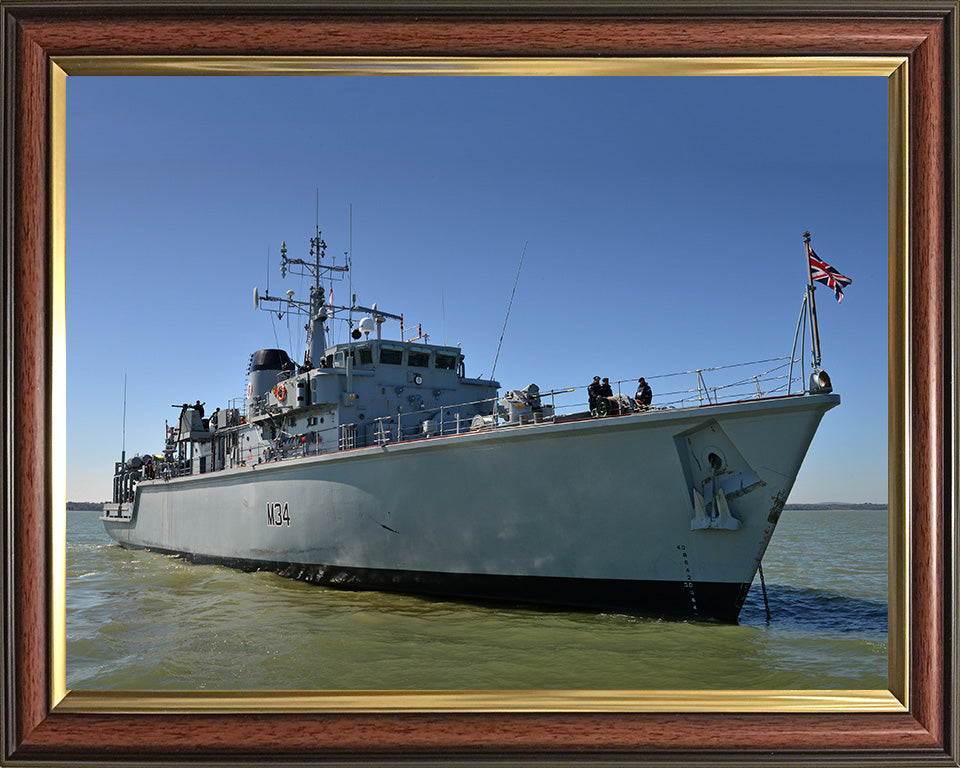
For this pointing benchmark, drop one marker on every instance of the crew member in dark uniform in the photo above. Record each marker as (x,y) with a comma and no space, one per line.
(594,392)
(198,407)
(644,395)
(605,390)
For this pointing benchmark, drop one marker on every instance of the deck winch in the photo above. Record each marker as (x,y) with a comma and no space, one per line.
(126,475)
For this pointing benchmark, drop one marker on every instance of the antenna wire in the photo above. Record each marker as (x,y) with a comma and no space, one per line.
(509,306)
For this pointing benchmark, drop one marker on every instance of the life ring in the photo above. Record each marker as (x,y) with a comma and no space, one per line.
(281,392)
(417,379)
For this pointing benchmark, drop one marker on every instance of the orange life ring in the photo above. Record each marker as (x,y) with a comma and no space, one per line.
(280,391)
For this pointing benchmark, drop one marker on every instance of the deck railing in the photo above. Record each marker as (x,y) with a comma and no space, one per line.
(697,388)
(760,379)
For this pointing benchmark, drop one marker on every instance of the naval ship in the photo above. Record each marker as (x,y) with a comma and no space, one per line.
(377,463)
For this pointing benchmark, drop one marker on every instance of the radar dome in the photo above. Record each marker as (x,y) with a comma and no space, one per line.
(367,325)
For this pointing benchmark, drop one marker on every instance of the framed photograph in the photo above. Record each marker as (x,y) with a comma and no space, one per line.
(46,45)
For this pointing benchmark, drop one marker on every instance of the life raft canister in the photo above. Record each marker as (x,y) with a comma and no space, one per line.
(281,392)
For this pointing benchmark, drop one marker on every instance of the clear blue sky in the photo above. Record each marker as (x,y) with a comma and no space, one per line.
(663,216)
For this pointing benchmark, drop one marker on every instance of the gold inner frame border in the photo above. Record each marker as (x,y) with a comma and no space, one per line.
(895,699)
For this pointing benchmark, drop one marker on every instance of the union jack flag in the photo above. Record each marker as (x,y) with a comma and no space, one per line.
(822,272)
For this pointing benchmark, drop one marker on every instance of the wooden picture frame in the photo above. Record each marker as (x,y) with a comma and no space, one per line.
(44,40)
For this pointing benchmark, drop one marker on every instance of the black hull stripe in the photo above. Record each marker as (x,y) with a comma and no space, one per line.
(697,600)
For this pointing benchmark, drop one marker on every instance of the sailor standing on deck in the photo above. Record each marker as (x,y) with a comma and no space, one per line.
(644,395)
(594,392)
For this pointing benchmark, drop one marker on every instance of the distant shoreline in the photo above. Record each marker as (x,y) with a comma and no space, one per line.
(835,505)
(97,506)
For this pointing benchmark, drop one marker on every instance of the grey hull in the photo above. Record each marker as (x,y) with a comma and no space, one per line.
(667,511)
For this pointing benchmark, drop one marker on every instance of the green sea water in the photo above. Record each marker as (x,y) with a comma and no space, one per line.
(140,620)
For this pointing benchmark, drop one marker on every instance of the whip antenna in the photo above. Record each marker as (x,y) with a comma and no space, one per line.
(123,430)
(516,280)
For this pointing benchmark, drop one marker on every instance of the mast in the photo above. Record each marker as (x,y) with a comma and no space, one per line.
(316,340)
(814,330)
(315,309)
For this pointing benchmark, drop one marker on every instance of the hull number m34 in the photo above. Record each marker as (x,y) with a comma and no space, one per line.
(278,513)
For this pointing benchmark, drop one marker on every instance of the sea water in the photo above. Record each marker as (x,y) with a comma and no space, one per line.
(140,620)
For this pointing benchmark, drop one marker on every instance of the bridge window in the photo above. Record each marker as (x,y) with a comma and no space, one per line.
(418,359)
(446,362)
(391,356)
